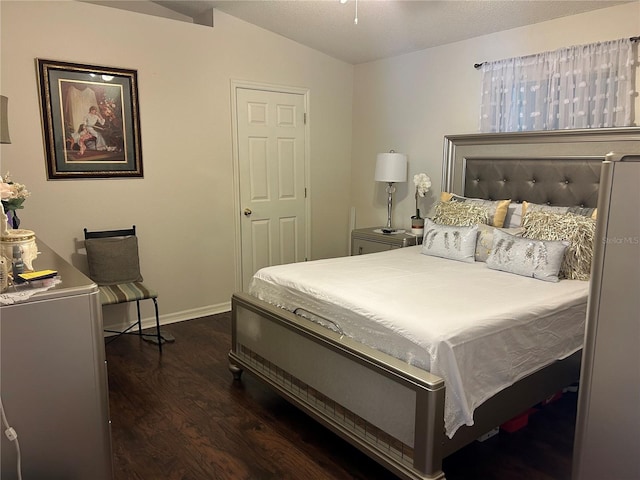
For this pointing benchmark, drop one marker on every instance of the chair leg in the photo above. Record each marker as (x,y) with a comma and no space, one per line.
(158,334)
(155,304)
(139,321)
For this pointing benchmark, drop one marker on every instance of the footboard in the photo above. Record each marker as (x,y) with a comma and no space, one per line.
(391,411)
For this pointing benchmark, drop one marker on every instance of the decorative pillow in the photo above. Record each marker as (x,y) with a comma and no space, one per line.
(576,229)
(497,208)
(453,242)
(514,215)
(536,207)
(461,214)
(113,260)
(484,242)
(529,257)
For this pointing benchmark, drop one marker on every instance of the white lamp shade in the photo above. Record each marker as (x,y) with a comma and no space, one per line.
(4,121)
(391,167)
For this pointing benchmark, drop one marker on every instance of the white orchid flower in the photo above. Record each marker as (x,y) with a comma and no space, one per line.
(422,183)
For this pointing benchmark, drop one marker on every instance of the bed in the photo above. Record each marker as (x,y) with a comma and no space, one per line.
(409,402)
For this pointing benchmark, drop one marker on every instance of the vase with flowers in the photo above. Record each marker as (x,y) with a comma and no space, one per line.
(17,246)
(423,184)
(13,196)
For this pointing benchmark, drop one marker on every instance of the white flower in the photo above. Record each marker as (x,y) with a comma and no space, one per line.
(13,194)
(422,183)
(5,191)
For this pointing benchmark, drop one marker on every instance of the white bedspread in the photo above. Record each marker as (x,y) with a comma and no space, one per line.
(479,329)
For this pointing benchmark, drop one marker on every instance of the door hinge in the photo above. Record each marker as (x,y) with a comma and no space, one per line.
(305,118)
(305,192)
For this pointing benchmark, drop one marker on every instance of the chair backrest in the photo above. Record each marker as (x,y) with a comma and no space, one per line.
(127,232)
(112,256)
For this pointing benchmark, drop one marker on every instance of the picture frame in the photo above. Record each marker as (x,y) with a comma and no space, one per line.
(90,120)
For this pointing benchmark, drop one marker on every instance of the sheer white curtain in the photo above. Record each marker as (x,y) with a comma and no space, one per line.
(586,86)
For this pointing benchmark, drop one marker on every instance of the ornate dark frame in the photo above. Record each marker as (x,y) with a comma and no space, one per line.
(125,160)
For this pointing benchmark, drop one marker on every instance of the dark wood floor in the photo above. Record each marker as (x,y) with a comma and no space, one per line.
(180,415)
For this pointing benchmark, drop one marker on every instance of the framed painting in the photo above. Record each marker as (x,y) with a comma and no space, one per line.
(91,120)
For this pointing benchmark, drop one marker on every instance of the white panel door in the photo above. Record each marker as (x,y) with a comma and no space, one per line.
(271,163)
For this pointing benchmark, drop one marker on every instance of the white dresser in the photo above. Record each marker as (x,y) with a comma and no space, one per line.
(53,379)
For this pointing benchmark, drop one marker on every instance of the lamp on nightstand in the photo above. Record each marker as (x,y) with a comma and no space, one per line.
(391,168)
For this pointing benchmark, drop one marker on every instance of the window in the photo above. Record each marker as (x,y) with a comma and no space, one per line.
(586,86)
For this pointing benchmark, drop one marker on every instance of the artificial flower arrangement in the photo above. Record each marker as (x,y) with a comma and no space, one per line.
(423,184)
(13,196)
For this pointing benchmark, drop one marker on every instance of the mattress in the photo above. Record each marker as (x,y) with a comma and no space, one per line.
(481,330)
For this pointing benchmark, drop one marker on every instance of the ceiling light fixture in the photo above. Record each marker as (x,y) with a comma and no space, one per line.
(355,20)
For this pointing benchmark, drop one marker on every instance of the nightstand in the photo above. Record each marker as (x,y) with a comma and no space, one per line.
(371,240)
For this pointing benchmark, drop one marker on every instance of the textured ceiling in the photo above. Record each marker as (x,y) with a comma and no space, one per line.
(385,28)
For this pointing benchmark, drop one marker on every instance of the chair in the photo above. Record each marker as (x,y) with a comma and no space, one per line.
(114,265)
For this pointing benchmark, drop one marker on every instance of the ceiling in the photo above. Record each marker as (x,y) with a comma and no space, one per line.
(385,28)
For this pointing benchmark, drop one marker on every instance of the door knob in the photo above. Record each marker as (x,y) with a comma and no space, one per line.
(247,212)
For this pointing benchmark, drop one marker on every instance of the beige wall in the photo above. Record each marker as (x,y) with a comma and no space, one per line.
(410,102)
(183,207)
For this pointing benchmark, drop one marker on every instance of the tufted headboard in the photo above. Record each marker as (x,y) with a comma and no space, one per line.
(555,168)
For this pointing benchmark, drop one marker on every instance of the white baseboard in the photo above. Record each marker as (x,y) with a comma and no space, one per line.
(150,322)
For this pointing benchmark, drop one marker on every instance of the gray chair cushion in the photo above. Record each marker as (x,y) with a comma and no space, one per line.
(113,260)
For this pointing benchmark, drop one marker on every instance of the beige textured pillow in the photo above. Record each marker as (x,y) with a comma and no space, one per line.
(578,230)
(497,208)
(461,214)
(113,260)
(536,207)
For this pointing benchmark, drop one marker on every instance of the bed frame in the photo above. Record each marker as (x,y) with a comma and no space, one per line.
(388,409)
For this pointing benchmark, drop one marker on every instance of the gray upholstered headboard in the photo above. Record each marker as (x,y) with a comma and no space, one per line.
(552,181)
(555,168)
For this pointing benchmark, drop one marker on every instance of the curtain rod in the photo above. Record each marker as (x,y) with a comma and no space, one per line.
(478,65)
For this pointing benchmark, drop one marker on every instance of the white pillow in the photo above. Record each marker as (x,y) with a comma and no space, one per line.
(446,241)
(514,215)
(529,257)
(484,242)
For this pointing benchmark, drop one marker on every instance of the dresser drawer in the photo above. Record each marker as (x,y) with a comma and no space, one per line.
(371,240)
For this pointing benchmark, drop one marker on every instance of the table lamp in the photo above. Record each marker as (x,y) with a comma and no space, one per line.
(391,168)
